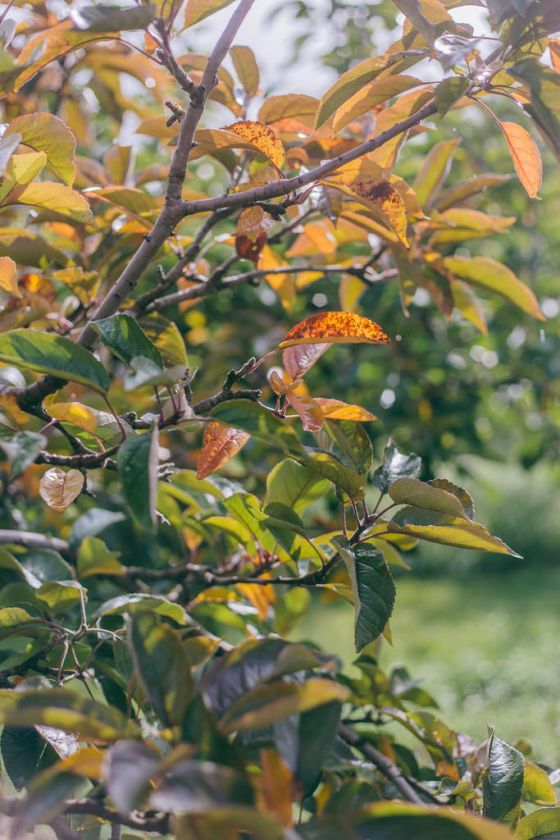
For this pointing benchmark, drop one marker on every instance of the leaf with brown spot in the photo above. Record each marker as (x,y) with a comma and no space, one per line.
(251,233)
(335,328)
(338,410)
(387,201)
(219,444)
(8,276)
(525,155)
(262,137)
(58,488)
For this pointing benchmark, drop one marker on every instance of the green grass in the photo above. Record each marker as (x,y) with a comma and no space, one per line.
(485,646)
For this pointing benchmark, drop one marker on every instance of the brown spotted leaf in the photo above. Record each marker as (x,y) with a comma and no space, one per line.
(262,137)
(251,233)
(386,200)
(219,444)
(335,328)
(58,488)
(525,155)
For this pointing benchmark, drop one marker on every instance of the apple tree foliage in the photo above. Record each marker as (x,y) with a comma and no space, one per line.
(176,492)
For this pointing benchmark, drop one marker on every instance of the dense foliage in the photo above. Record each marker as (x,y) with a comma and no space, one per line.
(180,473)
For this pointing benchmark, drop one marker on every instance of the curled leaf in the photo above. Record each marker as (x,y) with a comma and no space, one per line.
(58,488)
(335,328)
(219,444)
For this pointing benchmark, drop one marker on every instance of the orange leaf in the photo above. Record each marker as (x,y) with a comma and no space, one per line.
(276,787)
(8,276)
(299,358)
(386,200)
(251,233)
(280,283)
(338,410)
(335,328)
(262,137)
(219,444)
(525,155)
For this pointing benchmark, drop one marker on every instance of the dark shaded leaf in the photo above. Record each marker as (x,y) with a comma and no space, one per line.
(503,782)
(137,461)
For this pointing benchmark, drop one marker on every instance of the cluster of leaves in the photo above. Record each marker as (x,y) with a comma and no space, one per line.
(142,651)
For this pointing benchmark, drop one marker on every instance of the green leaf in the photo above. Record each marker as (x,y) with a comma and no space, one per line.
(66,710)
(107,17)
(94,558)
(373,589)
(495,277)
(162,665)
(129,602)
(167,337)
(352,444)
(22,750)
(330,467)
(260,422)
(541,824)
(543,83)
(395,465)
(145,373)
(434,170)
(294,485)
(61,596)
(52,354)
(503,782)
(137,460)
(21,449)
(411,491)
(122,335)
(197,10)
(49,134)
(449,91)
(304,742)
(447,530)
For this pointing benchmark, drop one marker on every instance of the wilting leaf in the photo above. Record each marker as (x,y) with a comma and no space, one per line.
(371,95)
(122,335)
(246,68)
(49,134)
(52,354)
(525,155)
(262,137)
(59,488)
(162,666)
(219,445)
(8,276)
(503,782)
(373,589)
(495,277)
(137,461)
(197,10)
(335,328)
(251,233)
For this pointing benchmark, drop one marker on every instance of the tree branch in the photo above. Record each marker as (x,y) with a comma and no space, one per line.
(31,540)
(384,764)
(290,185)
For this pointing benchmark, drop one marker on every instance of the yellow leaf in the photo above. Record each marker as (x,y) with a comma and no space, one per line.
(338,410)
(246,68)
(47,133)
(57,198)
(525,155)
(197,10)
(20,171)
(371,95)
(262,137)
(350,82)
(470,307)
(219,444)
(386,200)
(51,44)
(335,328)
(495,277)
(73,412)
(8,276)
(58,488)
(280,283)
(316,238)
(350,290)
